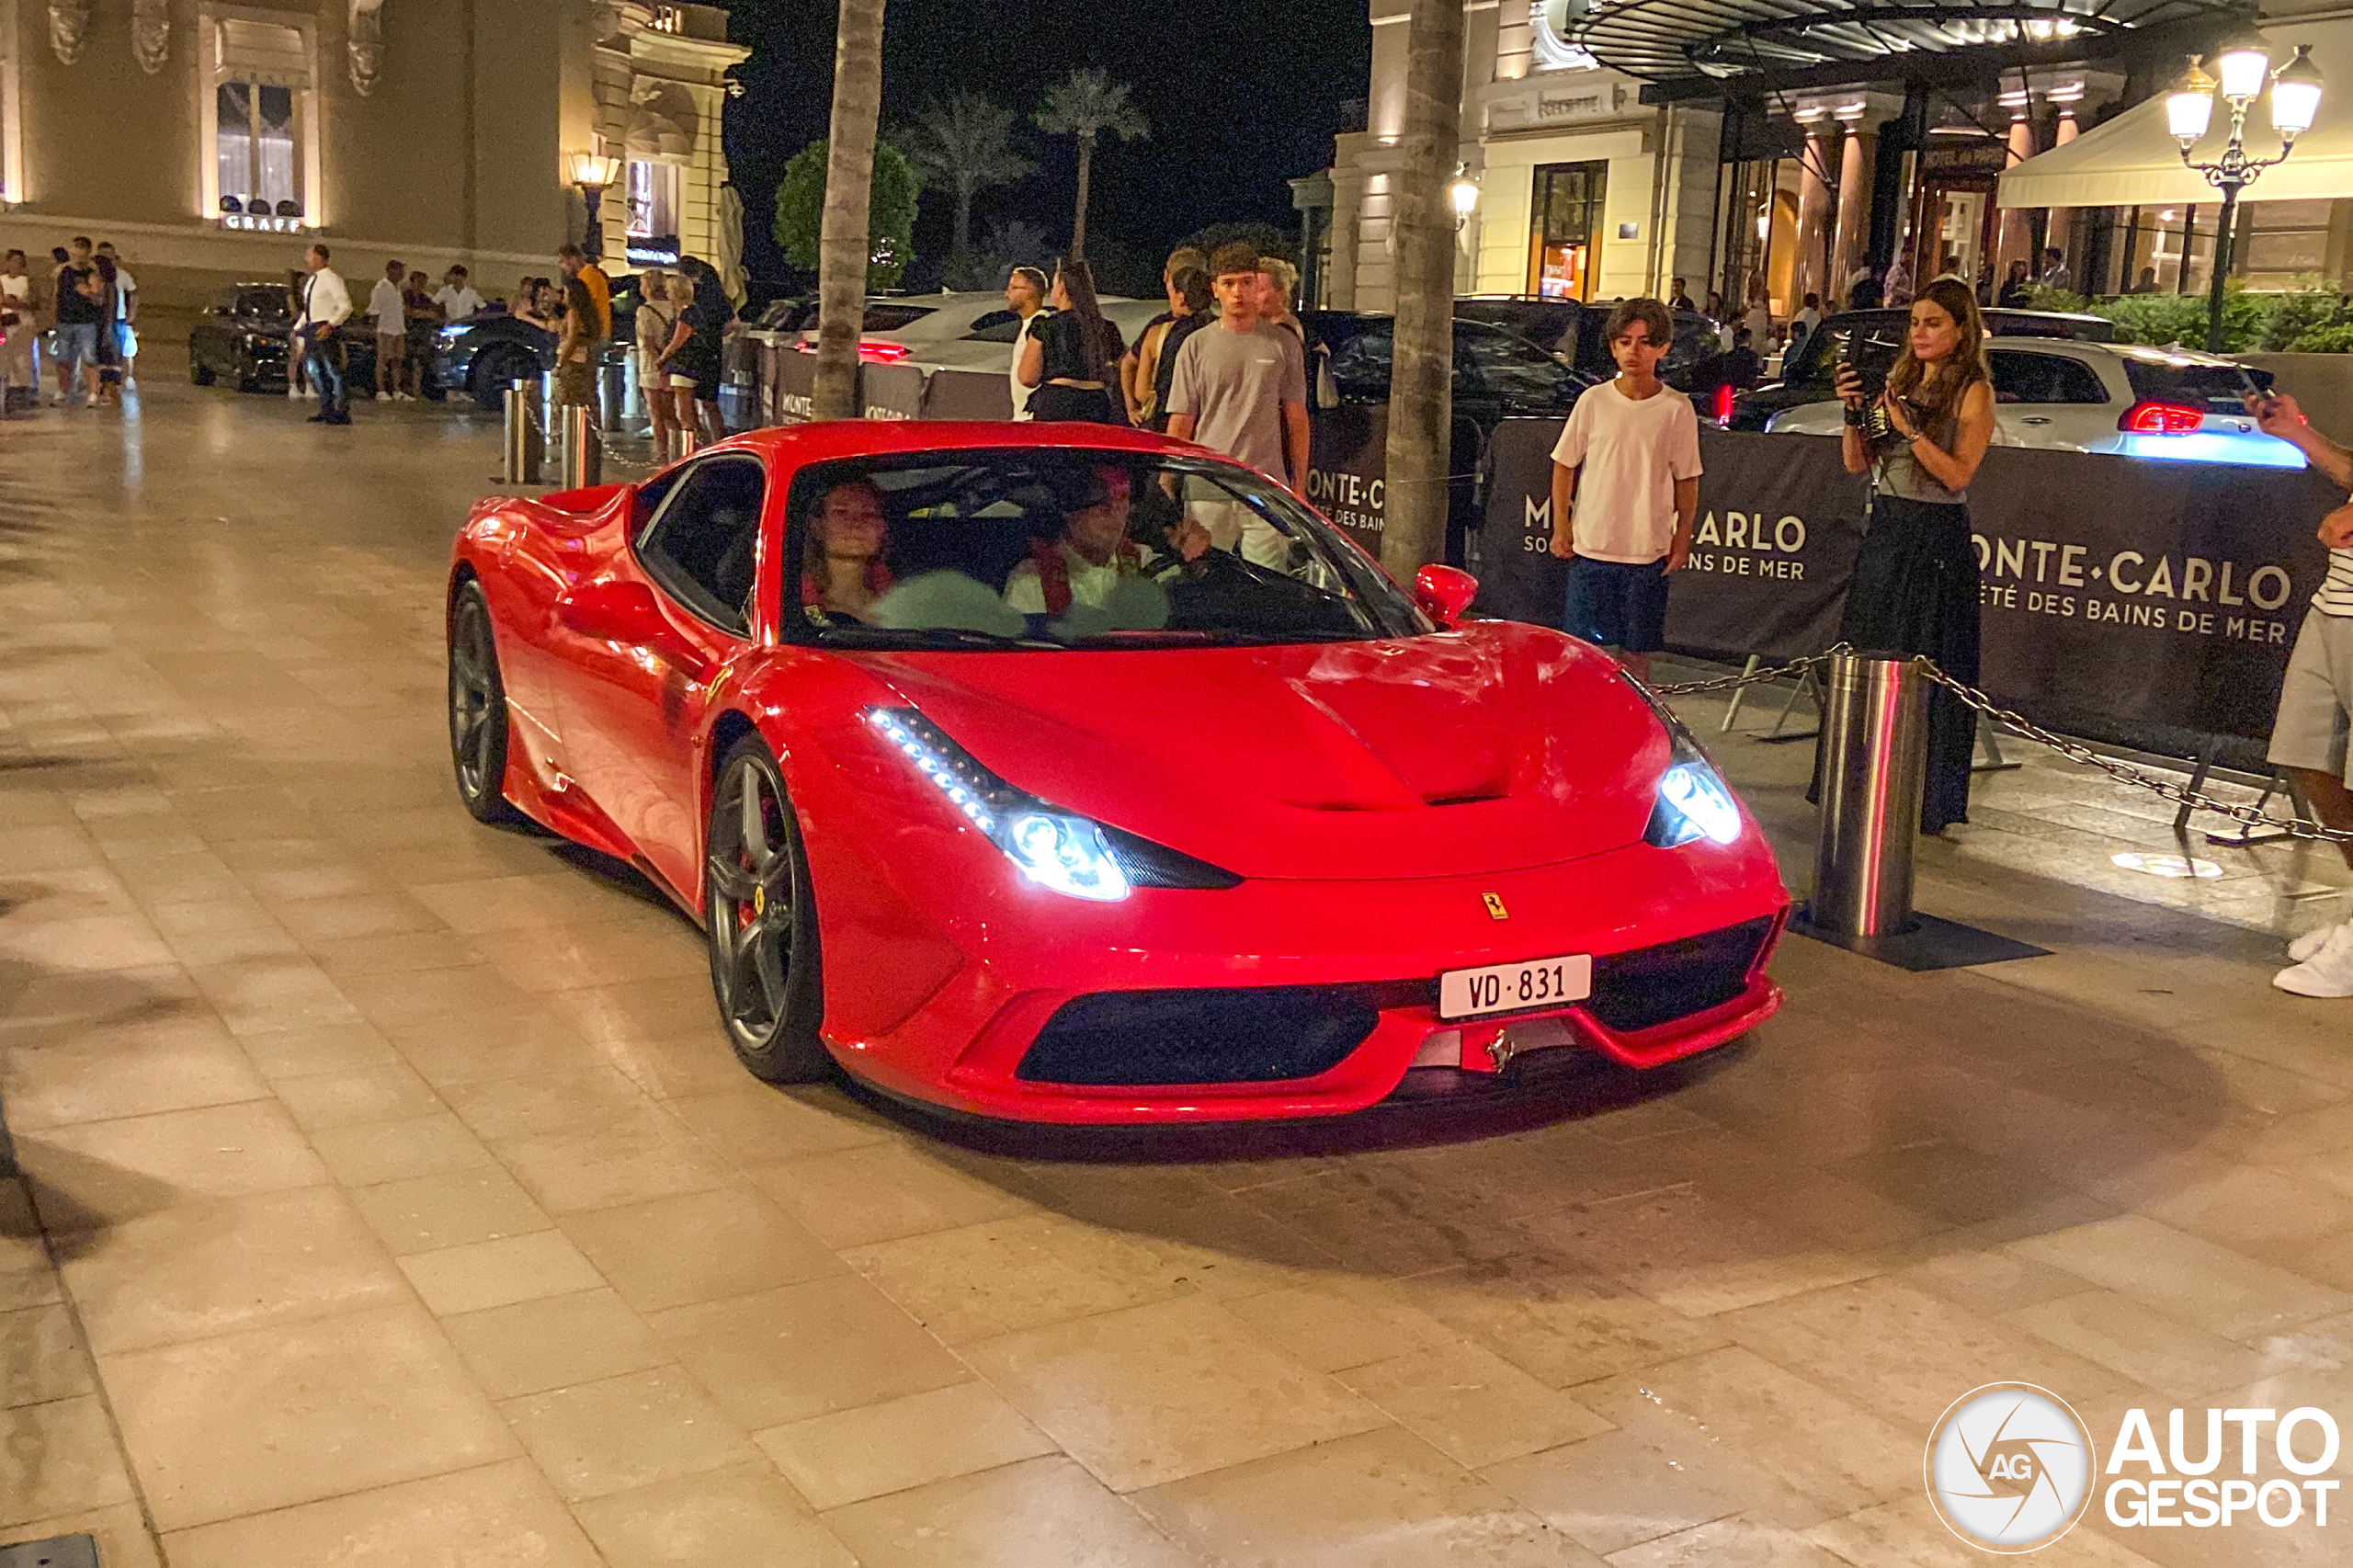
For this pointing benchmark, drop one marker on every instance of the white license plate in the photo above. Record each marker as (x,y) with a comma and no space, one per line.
(1513,987)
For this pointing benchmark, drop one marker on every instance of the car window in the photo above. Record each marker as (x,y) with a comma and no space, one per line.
(267,303)
(2217,389)
(2020,376)
(998,327)
(1360,366)
(700,544)
(890,318)
(1061,547)
(1512,368)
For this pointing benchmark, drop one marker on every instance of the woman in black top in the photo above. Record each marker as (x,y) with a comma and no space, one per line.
(103,290)
(1074,354)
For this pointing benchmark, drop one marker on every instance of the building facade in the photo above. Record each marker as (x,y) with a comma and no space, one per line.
(211,140)
(1779,148)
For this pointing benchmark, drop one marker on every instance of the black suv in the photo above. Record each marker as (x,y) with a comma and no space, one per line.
(1878,336)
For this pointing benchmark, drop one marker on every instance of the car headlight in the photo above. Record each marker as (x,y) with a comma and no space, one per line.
(1060,850)
(1693,801)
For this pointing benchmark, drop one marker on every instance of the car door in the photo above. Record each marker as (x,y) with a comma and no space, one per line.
(2045,398)
(634,705)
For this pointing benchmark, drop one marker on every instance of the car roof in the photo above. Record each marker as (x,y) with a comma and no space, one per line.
(2075,349)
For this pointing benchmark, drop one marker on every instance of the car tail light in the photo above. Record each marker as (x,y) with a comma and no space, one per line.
(1724,406)
(883,353)
(2151,417)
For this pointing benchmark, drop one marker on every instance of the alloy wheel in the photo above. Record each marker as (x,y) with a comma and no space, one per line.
(474,697)
(750,902)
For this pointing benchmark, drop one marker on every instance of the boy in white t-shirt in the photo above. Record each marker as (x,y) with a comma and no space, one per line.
(1625,489)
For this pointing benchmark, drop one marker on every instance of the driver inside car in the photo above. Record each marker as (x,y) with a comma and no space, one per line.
(1094,553)
(843,571)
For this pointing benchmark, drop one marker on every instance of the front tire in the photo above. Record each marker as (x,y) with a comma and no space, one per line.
(497,370)
(760,916)
(478,727)
(198,372)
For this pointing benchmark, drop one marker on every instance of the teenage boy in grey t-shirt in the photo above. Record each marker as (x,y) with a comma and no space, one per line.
(1241,389)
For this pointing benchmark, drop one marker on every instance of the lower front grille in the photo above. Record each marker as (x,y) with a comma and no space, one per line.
(1656,985)
(1258,1034)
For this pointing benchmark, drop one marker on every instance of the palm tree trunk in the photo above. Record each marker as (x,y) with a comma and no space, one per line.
(959,247)
(1085,178)
(1421,388)
(844,244)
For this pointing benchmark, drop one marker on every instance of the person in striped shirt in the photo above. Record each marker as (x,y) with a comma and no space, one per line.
(2308,735)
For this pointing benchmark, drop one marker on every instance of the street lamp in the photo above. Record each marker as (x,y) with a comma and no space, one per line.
(592,172)
(2190,109)
(1464,194)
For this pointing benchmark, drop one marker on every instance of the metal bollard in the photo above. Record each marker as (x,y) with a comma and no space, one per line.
(524,445)
(583,447)
(1874,756)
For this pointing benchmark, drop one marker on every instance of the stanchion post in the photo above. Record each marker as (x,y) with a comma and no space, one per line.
(584,453)
(523,444)
(1874,756)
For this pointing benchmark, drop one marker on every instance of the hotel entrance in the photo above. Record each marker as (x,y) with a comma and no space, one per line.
(1953,215)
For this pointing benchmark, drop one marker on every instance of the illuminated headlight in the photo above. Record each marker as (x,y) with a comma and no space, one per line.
(1058,850)
(1693,803)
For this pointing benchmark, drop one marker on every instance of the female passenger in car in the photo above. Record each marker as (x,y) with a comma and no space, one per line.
(1094,551)
(842,566)
(1915,588)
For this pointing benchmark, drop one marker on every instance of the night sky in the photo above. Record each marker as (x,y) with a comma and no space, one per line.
(1242,94)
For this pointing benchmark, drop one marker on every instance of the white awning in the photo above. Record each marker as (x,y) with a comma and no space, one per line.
(2130,161)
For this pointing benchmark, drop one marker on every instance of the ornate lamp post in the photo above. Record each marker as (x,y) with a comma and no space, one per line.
(592,172)
(2190,110)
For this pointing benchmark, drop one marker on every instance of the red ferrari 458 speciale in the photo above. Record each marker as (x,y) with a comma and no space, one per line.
(1065,773)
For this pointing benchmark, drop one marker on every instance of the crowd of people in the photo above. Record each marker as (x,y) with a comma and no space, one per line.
(84,309)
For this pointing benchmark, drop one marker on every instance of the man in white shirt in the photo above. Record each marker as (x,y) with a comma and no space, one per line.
(390,312)
(318,325)
(18,328)
(1625,491)
(1024,296)
(1095,554)
(456,296)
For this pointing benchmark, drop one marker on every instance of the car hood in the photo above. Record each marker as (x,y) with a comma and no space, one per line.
(1493,748)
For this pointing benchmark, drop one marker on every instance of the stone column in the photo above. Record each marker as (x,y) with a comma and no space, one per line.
(2013,238)
(1854,169)
(2054,225)
(1814,220)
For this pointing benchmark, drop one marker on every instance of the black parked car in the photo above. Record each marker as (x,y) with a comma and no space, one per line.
(1572,330)
(242,337)
(1811,375)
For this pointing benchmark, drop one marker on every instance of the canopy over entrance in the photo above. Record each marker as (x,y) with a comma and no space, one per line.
(1691,46)
(2132,161)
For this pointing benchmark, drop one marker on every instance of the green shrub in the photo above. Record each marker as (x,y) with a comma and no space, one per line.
(2302,312)
(2064,300)
(2158,320)
(2335,338)
(890,212)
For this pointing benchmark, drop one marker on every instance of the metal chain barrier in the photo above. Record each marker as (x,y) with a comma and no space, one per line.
(2125,772)
(1755,677)
(2019,724)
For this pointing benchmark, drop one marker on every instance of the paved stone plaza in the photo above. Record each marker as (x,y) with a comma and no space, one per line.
(391,1195)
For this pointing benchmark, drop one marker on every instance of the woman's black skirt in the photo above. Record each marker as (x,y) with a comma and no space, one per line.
(1061,404)
(1915,591)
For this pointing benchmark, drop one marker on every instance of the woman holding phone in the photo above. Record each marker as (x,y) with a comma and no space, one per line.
(1914,588)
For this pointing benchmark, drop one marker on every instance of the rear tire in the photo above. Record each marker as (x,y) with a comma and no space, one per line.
(760,917)
(198,372)
(478,723)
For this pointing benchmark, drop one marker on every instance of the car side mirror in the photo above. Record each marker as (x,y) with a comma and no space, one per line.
(626,613)
(1444,592)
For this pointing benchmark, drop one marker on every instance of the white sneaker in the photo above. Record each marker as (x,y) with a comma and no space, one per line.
(2309,943)
(2328,973)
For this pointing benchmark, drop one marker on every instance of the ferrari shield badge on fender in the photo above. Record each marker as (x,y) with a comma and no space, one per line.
(1496,905)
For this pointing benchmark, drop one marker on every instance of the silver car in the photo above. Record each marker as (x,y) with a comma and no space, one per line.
(2118,398)
(965,332)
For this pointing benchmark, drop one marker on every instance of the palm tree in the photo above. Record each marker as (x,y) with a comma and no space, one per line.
(1421,386)
(1085,103)
(966,147)
(844,245)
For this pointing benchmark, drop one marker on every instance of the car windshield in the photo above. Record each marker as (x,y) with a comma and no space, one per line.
(263,304)
(1060,548)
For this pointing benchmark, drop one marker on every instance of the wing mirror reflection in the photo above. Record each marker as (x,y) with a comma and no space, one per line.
(1444,592)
